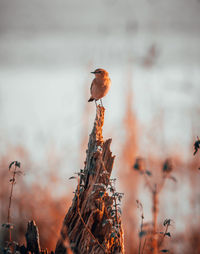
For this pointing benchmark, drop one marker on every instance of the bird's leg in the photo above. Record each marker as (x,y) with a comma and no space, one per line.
(97,109)
(101,103)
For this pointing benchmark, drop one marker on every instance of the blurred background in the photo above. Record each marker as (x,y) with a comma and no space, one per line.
(151,50)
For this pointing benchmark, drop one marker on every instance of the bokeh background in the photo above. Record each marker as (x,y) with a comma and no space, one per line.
(151,50)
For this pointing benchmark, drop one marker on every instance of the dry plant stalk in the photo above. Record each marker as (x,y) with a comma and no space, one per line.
(15,172)
(155,191)
(93,222)
(10,200)
(155,220)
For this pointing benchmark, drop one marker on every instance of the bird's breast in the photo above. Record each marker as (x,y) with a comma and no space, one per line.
(100,88)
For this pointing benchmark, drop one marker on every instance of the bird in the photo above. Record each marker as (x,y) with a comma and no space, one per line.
(100,85)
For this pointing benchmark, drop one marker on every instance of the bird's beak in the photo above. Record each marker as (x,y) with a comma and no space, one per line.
(93,72)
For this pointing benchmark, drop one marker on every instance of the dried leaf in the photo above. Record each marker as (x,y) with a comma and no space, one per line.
(10,166)
(15,243)
(139,204)
(112,213)
(113,179)
(148,173)
(167,222)
(167,166)
(19,172)
(142,233)
(119,210)
(101,193)
(173,178)
(16,163)
(196,146)
(112,235)
(139,164)
(112,189)
(7,225)
(120,197)
(72,177)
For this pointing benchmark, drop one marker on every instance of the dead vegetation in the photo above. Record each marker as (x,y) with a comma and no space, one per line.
(93,222)
(154,237)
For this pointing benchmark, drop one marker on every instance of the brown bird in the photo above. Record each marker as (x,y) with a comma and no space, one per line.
(100,85)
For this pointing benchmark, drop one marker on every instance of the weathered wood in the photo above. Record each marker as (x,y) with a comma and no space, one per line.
(32,238)
(92,224)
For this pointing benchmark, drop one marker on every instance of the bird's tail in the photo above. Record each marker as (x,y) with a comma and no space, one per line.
(91,99)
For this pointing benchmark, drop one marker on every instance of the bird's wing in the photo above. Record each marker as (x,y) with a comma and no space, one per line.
(92,85)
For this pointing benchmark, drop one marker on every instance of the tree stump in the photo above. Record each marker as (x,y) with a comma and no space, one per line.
(93,222)
(32,238)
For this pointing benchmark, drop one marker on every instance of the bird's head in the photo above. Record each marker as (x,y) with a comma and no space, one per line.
(100,73)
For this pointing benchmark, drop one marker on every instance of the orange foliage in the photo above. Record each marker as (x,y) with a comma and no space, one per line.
(36,200)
